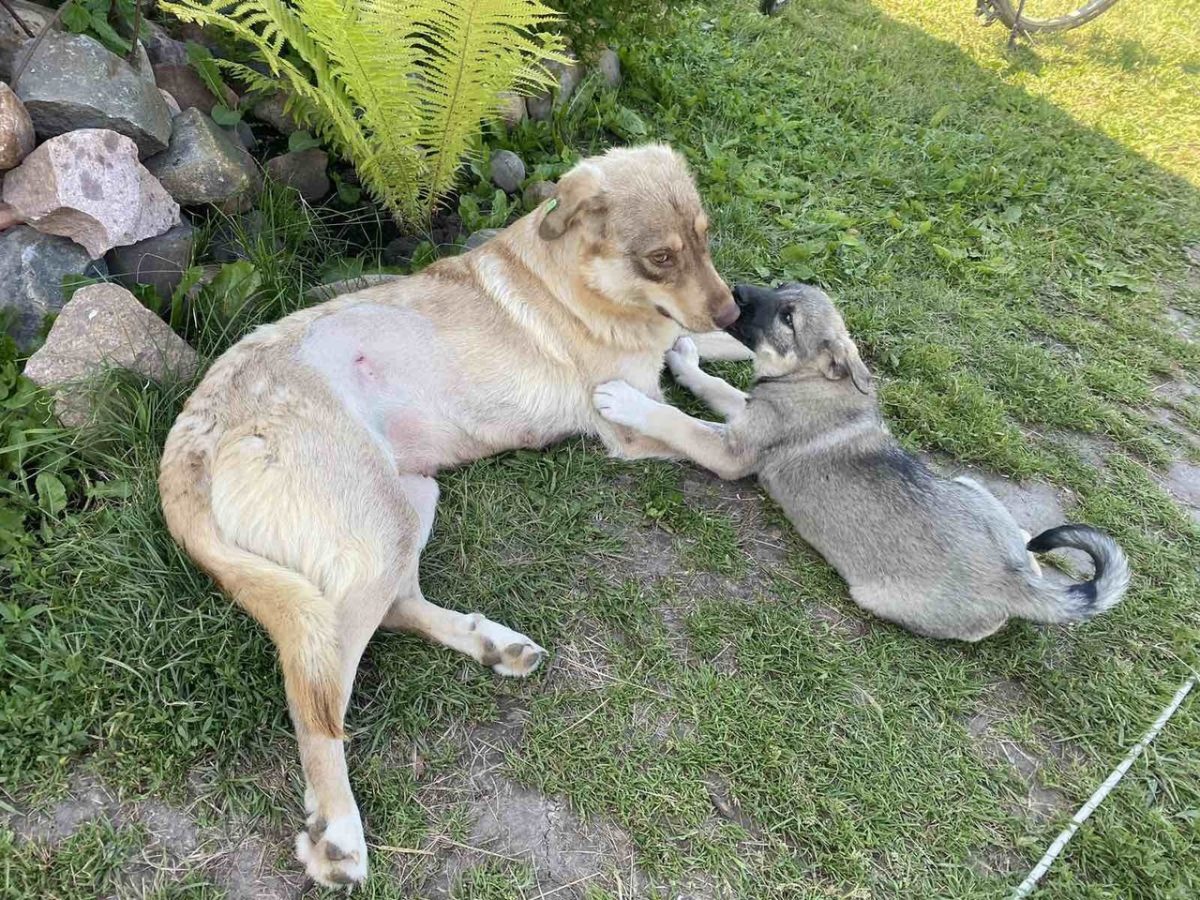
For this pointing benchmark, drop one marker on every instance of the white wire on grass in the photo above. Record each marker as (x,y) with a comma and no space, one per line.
(1026,887)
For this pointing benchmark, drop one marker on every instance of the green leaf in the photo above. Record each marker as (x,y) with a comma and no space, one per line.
(302,140)
(627,124)
(108,35)
(223,115)
(233,287)
(51,494)
(76,17)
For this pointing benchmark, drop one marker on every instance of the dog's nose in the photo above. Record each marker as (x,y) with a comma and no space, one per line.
(728,314)
(741,294)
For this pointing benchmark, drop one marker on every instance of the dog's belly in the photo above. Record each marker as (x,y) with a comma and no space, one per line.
(404,383)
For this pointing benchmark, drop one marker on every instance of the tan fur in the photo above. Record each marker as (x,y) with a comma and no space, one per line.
(299,473)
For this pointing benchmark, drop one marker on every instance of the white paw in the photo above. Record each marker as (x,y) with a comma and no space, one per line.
(504,651)
(683,357)
(623,404)
(334,853)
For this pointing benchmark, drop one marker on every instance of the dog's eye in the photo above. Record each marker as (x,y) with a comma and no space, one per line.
(786,317)
(661,258)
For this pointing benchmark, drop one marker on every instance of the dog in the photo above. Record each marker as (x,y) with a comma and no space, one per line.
(300,473)
(941,557)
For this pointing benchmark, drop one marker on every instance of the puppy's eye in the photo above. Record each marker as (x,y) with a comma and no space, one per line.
(662,258)
(786,317)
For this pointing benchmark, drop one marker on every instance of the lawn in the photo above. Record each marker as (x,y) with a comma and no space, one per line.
(1006,235)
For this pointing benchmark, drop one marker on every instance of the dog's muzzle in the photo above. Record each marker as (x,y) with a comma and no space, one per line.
(728,315)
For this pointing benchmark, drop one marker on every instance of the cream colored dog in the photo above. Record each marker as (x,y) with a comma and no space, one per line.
(300,472)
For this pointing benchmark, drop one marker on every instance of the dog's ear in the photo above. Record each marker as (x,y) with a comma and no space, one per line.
(840,359)
(579,193)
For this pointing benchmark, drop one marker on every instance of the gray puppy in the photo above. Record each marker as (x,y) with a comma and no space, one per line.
(941,557)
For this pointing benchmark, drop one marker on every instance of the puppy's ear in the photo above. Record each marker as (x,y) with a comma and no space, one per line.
(840,359)
(580,193)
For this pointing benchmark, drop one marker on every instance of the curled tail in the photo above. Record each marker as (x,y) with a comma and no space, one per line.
(1077,602)
(296,614)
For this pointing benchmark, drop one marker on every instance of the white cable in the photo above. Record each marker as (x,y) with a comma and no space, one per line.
(1027,886)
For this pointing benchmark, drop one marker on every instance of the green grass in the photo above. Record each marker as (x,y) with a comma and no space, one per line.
(1004,266)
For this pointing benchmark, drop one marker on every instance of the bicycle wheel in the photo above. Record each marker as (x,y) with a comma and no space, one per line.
(1048,15)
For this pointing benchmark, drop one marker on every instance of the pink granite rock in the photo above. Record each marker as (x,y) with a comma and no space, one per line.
(88,185)
(16,129)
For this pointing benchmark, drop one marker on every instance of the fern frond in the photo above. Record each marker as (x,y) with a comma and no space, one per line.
(477,50)
(398,87)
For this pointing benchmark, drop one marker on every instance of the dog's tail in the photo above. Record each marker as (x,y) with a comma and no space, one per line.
(296,614)
(1047,602)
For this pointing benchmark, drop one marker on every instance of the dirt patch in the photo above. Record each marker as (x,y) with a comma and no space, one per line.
(516,825)
(1187,326)
(1183,482)
(241,862)
(1001,700)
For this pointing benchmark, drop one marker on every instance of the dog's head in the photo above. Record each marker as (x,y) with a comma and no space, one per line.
(796,329)
(642,235)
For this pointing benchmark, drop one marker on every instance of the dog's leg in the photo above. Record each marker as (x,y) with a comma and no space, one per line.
(722,397)
(504,651)
(706,443)
(332,846)
(994,501)
(718,346)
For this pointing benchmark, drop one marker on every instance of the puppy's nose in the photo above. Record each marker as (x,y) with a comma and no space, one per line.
(741,294)
(728,314)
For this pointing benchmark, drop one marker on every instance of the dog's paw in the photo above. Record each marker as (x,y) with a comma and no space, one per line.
(622,404)
(683,357)
(504,651)
(334,853)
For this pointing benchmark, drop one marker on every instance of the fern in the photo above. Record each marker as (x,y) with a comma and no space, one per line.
(400,88)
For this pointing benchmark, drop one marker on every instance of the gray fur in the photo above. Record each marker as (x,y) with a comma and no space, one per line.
(942,557)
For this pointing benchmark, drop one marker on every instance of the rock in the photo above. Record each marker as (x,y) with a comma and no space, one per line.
(88,185)
(538,193)
(609,66)
(569,75)
(540,107)
(142,65)
(241,133)
(399,252)
(16,129)
(479,238)
(172,104)
(72,82)
(12,37)
(508,171)
(271,111)
(207,36)
(161,48)
(1193,254)
(512,109)
(158,261)
(302,170)
(187,87)
(104,326)
(203,165)
(37,264)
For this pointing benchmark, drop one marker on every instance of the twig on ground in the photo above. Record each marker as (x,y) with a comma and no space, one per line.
(19,68)
(1026,887)
(13,12)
